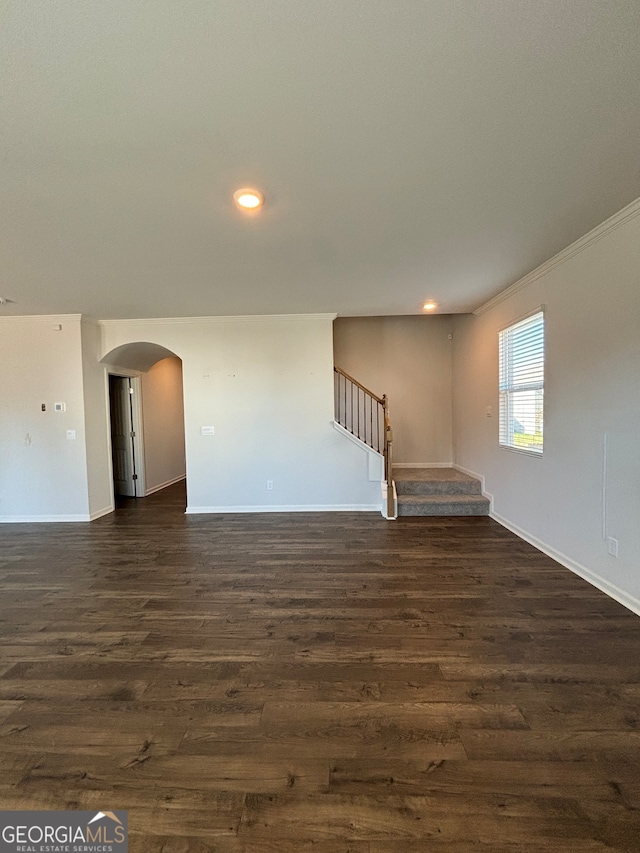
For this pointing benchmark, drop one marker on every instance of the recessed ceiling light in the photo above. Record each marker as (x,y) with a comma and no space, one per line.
(248,199)
(429,306)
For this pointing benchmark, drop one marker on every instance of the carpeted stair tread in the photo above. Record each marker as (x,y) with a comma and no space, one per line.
(438,491)
(442,505)
(435,481)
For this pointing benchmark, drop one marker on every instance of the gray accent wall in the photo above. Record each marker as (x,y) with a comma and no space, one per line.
(409,359)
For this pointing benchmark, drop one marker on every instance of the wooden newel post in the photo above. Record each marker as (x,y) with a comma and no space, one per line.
(388,457)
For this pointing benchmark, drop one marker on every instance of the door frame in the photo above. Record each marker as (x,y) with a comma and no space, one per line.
(137,423)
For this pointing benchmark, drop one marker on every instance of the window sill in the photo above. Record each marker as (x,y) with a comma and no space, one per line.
(537,454)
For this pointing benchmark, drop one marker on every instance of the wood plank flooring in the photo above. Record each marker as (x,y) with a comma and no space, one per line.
(316,683)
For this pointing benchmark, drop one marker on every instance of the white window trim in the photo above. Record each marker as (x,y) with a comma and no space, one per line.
(541,309)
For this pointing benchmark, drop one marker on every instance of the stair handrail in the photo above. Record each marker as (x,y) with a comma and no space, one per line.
(360,385)
(348,416)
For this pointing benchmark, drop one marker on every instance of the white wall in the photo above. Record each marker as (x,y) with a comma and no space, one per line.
(409,360)
(96,421)
(163,424)
(586,486)
(266,385)
(43,475)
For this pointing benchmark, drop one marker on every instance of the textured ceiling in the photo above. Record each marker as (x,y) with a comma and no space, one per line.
(406,148)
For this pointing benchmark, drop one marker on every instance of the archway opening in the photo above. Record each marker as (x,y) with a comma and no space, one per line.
(146,409)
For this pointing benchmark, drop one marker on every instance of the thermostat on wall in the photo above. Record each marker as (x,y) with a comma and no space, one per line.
(59,407)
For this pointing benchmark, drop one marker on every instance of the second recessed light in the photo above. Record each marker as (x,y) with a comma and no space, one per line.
(248,199)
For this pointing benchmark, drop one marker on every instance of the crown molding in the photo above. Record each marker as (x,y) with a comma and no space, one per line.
(48,318)
(246,318)
(620,218)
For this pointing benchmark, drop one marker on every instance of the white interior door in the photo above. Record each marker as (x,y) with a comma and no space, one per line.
(122,436)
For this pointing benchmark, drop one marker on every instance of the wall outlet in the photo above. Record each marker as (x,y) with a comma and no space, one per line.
(71,435)
(612,546)
(269,485)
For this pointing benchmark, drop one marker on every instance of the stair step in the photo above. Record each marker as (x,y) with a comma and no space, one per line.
(435,481)
(442,505)
(438,491)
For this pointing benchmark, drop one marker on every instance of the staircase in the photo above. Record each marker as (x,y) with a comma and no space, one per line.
(420,491)
(366,416)
(438,491)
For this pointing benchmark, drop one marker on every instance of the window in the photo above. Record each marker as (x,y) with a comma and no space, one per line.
(522,384)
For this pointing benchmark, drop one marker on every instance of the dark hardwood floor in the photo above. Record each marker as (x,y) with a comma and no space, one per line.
(316,682)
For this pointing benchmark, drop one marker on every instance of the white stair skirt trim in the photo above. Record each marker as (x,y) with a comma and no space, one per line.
(155,489)
(205,510)
(43,519)
(423,465)
(619,595)
(354,438)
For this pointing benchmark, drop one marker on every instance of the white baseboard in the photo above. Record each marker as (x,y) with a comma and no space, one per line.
(485,493)
(100,512)
(164,485)
(423,465)
(43,519)
(619,595)
(201,510)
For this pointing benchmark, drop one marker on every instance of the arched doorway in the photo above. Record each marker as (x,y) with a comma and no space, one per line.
(146,413)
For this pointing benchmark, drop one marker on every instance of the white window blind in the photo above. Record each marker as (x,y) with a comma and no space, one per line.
(522,384)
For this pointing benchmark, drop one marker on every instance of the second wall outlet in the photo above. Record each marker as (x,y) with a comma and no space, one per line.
(269,485)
